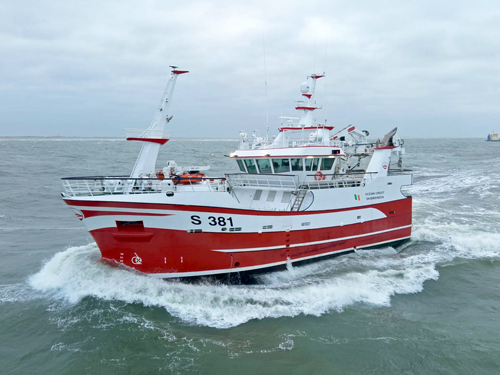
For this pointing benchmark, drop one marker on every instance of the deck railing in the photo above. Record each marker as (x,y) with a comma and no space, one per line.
(292,182)
(97,185)
(279,181)
(331,181)
(250,144)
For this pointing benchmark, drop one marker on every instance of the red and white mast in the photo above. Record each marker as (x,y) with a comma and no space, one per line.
(309,105)
(153,136)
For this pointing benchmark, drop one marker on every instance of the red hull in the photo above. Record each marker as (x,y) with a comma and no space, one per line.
(178,253)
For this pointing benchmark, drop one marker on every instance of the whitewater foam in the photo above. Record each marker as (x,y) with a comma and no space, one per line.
(18,292)
(76,273)
(468,241)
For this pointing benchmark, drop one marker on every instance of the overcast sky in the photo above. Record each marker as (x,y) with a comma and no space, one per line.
(92,68)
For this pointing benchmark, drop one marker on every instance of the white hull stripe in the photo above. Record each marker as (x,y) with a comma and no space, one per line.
(123,209)
(238,210)
(260,266)
(309,243)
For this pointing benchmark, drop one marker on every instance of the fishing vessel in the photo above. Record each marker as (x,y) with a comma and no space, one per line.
(306,194)
(493,137)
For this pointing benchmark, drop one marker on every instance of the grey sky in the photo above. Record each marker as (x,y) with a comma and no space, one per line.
(91,68)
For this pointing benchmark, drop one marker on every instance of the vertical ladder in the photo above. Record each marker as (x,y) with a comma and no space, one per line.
(301,194)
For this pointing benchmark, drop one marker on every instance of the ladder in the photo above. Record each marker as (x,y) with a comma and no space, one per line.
(301,194)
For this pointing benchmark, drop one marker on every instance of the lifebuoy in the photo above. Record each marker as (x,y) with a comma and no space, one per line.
(319,176)
(160,175)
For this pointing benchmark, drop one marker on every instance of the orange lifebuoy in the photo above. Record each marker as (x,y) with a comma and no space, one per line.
(160,175)
(319,176)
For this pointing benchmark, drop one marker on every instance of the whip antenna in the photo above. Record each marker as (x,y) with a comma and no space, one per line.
(265,85)
(324,69)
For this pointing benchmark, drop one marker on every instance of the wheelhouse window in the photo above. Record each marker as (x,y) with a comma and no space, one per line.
(312,164)
(297,164)
(327,164)
(241,165)
(315,164)
(250,164)
(308,163)
(281,165)
(264,165)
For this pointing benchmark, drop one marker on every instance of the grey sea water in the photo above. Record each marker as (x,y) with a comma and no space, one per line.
(432,308)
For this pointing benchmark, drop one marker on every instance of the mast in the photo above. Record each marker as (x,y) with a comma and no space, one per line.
(153,137)
(310,105)
(306,122)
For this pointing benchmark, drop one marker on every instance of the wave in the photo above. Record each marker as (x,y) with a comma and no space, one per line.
(436,186)
(18,292)
(453,241)
(77,273)
(453,183)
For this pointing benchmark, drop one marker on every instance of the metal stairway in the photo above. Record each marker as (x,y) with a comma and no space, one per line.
(301,194)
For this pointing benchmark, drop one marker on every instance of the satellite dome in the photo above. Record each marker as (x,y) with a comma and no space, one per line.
(304,88)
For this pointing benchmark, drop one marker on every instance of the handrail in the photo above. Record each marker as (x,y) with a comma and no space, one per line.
(291,182)
(250,144)
(104,185)
(139,178)
(336,180)
(95,178)
(279,181)
(119,185)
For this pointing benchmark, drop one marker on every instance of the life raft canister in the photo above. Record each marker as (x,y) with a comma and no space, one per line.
(188,178)
(175,178)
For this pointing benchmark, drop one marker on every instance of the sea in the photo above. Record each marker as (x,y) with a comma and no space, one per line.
(431,306)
